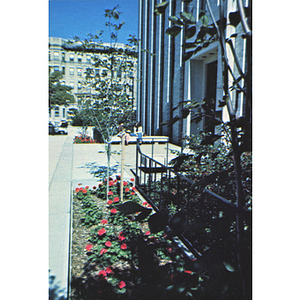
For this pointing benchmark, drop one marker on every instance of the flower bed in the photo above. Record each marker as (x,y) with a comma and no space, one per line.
(116,254)
(84,139)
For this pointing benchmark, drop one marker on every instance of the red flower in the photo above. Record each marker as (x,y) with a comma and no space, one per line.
(122,284)
(145,203)
(121,236)
(84,191)
(79,184)
(127,190)
(169,250)
(102,251)
(102,231)
(77,190)
(134,188)
(111,183)
(124,246)
(187,271)
(109,202)
(131,179)
(116,199)
(102,273)
(88,247)
(109,270)
(110,193)
(100,184)
(125,182)
(147,233)
(103,221)
(87,187)
(132,193)
(108,244)
(113,211)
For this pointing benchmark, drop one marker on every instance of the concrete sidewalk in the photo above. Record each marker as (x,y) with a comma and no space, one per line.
(70,164)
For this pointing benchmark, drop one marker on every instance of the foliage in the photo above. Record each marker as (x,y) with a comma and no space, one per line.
(125,260)
(59,94)
(84,140)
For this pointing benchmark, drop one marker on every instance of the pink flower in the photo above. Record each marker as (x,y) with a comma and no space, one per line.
(110,193)
(102,251)
(103,221)
(102,231)
(124,246)
(145,203)
(147,233)
(88,247)
(121,236)
(109,270)
(122,284)
(169,250)
(116,199)
(127,190)
(111,183)
(113,211)
(108,244)
(109,202)
(187,271)
(102,273)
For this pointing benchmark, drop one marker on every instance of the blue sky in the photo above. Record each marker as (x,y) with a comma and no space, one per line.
(69,18)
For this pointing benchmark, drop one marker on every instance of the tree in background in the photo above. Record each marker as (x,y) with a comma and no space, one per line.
(112,98)
(59,94)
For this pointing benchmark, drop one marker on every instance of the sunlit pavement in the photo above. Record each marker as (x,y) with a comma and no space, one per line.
(70,164)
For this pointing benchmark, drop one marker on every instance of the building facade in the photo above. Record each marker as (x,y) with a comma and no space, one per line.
(73,61)
(166,78)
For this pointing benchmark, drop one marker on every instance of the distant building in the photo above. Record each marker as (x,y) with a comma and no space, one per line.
(72,60)
(165,79)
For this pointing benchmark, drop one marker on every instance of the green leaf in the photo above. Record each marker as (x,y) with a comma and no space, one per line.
(187,18)
(143,215)
(190,32)
(187,55)
(158,221)
(176,20)
(189,45)
(131,207)
(201,34)
(173,31)
(160,8)
(204,20)
(228,266)
(178,222)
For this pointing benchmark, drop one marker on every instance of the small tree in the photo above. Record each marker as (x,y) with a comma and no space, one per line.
(112,88)
(59,94)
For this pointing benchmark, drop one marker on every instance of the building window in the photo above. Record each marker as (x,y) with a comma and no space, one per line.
(56,55)
(79,71)
(49,112)
(79,58)
(119,73)
(71,56)
(64,112)
(88,58)
(63,56)
(71,71)
(72,84)
(56,68)
(56,112)
(63,70)
(79,85)
(49,55)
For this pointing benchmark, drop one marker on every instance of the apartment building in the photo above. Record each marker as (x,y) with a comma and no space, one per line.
(73,60)
(166,78)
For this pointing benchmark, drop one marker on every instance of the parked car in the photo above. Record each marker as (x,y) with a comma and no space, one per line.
(61,129)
